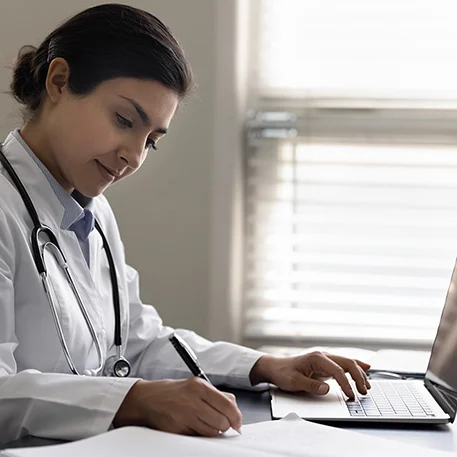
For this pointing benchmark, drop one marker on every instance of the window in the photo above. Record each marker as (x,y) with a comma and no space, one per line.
(350,171)
(393,48)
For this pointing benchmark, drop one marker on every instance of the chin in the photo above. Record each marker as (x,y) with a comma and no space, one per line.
(91,191)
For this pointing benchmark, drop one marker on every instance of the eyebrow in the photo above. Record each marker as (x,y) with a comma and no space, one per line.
(144,117)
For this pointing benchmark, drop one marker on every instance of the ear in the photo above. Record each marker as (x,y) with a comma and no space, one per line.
(57,79)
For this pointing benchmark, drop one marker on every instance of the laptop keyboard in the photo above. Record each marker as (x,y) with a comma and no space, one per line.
(395,399)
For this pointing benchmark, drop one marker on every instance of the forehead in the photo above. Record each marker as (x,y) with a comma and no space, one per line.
(157,101)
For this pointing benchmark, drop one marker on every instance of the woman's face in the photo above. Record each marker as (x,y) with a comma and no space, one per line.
(99,139)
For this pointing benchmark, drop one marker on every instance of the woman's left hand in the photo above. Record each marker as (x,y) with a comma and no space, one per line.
(307,373)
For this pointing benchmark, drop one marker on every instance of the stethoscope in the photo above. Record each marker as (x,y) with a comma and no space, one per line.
(116,365)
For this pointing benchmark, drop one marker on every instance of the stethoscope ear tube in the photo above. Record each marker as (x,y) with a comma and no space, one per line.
(37,253)
(115,289)
(55,250)
(120,367)
(20,187)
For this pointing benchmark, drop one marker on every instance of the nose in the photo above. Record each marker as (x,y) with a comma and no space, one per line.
(132,155)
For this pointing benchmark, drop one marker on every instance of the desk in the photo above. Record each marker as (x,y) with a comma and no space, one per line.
(255,407)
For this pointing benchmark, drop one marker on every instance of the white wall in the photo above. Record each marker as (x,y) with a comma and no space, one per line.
(165,211)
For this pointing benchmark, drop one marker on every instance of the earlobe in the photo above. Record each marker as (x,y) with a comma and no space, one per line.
(57,78)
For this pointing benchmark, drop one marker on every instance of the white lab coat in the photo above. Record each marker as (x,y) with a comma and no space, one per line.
(38,393)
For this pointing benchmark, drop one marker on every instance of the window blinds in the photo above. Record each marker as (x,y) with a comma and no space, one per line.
(349,242)
(351,213)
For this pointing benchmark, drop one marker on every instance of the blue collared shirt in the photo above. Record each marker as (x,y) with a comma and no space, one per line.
(78,213)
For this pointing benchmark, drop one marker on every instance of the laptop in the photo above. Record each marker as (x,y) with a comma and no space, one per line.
(432,400)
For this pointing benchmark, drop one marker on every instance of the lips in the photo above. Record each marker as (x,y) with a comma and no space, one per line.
(107,174)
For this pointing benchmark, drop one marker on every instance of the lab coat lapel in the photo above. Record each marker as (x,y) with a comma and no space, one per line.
(40,191)
(50,212)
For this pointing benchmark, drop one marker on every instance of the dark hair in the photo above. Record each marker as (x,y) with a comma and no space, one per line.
(102,43)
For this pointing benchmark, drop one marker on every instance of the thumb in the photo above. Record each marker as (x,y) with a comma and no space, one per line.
(313,386)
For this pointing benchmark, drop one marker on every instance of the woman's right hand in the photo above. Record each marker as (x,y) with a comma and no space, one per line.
(188,407)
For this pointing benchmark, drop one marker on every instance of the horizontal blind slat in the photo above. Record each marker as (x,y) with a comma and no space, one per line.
(374,243)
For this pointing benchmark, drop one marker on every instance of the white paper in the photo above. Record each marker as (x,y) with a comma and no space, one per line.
(400,361)
(290,436)
(136,442)
(294,437)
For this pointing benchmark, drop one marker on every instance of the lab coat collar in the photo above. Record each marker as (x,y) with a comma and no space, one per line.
(48,206)
(75,205)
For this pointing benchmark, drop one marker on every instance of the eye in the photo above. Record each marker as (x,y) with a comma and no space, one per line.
(151,144)
(123,122)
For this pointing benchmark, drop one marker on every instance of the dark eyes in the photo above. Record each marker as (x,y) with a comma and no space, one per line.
(125,123)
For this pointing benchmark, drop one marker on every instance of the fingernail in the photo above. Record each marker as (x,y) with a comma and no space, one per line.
(322,389)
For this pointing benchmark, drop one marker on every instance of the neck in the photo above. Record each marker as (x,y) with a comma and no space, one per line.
(36,139)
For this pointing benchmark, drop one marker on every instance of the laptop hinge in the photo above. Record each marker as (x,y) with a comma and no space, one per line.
(444,397)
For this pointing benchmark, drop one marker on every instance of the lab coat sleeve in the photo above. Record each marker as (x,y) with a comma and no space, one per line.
(153,356)
(50,405)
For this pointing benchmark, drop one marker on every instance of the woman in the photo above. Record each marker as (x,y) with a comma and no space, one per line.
(98,94)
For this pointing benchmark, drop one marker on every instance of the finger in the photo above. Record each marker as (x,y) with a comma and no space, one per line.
(323,363)
(203,429)
(356,373)
(213,418)
(187,431)
(354,367)
(230,396)
(367,381)
(365,366)
(225,405)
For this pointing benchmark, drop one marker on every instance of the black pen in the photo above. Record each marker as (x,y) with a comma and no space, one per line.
(189,358)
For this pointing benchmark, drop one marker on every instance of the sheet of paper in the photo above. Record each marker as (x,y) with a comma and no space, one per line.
(400,361)
(290,437)
(294,437)
(136,442)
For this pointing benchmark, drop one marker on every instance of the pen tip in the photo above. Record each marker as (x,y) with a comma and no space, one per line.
(238,431)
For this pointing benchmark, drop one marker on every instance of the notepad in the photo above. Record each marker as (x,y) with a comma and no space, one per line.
(290,436)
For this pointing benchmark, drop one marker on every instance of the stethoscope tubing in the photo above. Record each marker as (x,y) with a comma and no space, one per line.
(53,246)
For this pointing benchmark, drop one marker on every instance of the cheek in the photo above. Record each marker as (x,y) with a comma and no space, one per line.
(83,132)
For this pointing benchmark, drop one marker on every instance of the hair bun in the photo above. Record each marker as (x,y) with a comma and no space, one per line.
(24,85)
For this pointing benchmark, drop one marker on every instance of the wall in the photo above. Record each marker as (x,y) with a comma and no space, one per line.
(165,210)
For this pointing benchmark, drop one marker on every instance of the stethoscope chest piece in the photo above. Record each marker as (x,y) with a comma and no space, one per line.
(117,366)
(121,368)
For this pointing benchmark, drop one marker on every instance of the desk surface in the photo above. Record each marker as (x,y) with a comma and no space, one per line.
(255,407)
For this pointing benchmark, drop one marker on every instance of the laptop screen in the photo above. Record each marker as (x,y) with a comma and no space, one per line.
(442,368)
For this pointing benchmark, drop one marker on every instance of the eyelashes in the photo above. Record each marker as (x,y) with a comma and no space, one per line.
(151,144)
(127,124)
(123,122)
